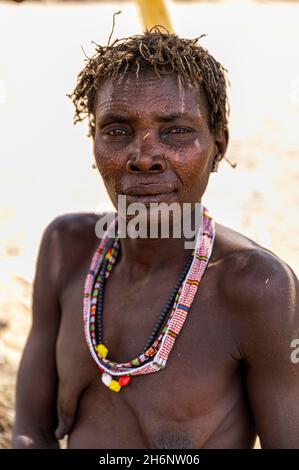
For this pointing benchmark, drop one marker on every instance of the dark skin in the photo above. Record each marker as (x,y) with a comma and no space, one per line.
(229,375)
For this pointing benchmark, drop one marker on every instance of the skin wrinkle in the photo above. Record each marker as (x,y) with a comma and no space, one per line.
(188,158)
(172,440)
(182,96)
(164,102)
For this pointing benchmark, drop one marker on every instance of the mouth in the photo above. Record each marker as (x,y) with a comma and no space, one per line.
(148,193)
(146,190)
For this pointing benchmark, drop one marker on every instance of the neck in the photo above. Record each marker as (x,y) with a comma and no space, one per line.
(150,254)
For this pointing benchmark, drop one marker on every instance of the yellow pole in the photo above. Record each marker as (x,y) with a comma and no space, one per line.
(154,12)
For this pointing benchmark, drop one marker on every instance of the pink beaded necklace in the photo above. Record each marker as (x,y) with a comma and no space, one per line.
(117,375)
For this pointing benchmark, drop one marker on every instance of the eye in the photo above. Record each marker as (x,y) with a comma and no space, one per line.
(177,130)
(116,132)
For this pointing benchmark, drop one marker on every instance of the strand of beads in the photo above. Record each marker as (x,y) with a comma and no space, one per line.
(104,272)
(152,344)
(155,358)
(168,305)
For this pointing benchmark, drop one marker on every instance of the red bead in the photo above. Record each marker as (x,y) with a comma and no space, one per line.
(124,380)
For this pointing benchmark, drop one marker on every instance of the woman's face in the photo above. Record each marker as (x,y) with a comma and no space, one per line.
(152,141)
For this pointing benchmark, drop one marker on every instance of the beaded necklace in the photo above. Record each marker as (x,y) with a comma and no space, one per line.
(173,316)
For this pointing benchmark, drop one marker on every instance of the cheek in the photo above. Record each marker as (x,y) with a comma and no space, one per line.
(108,164)
(203,150)
(192,167)
(192,164)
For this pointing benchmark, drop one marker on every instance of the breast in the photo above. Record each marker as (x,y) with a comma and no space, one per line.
(185,404)
(178,406)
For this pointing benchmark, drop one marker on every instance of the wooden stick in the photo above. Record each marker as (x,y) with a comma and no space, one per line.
(154,12)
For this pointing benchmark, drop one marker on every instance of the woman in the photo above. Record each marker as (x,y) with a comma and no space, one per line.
(177,347)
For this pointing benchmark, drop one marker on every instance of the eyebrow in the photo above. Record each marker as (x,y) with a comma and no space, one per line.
(116,117)
(173,116)
(122,118)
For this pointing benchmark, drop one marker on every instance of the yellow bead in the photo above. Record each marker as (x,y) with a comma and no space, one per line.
(115,386)
(102,350)
(108,255)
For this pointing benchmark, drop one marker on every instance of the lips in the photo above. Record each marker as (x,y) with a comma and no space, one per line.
(149,190)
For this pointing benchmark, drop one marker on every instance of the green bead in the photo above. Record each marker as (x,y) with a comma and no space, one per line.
(135,362)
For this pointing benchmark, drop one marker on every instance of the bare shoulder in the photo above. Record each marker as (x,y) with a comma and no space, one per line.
(260,287)
(248,261)
(66,242)
(78,223)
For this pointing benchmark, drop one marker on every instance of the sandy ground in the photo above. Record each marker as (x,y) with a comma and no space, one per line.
(46,162)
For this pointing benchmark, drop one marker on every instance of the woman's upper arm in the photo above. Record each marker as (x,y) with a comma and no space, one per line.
(36,393)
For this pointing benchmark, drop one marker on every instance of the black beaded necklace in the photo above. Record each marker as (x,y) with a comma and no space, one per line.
(101,279)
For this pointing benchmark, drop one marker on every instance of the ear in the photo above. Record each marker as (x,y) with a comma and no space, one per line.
(221,142)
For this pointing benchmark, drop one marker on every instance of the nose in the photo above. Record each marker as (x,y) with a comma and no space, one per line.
(146,156)
(138,163)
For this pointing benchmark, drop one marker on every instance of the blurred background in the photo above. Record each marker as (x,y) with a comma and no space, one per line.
(46,161)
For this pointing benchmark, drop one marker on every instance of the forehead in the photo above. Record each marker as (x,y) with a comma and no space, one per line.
(150,94)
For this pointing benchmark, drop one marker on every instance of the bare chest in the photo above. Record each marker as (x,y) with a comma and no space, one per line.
(200,382)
